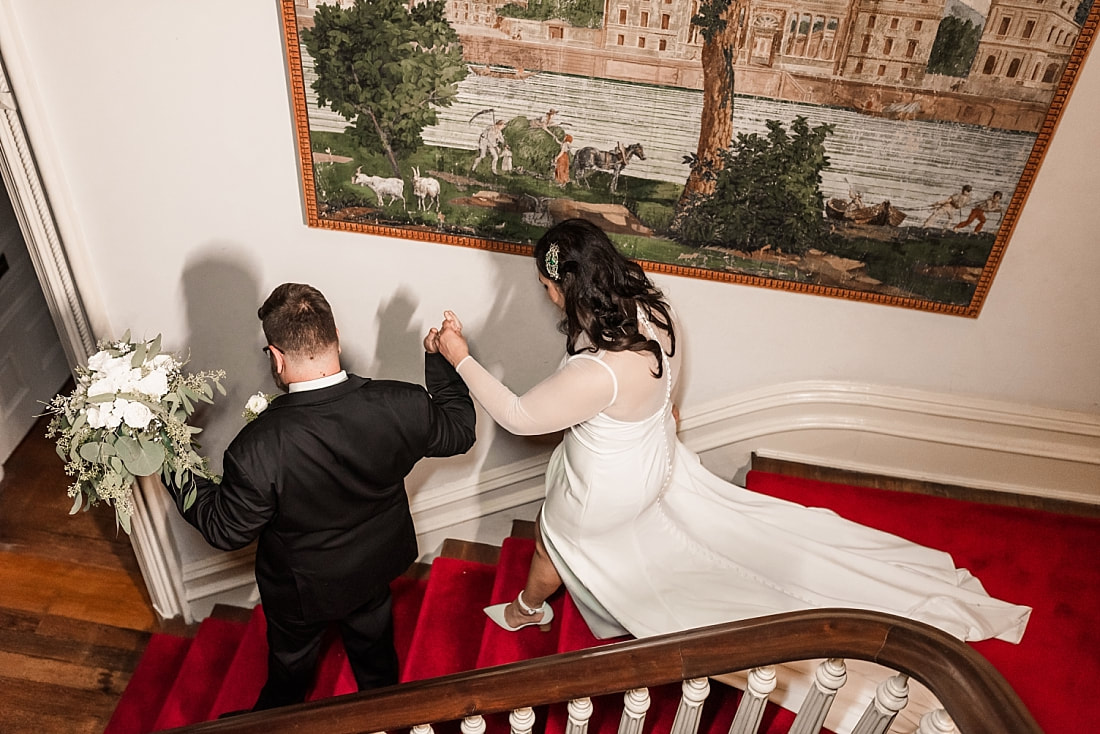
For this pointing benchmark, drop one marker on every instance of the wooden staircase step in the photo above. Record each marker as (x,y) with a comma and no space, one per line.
(246,673)
(499,646)
(444,642)
(152,680)
(201,674)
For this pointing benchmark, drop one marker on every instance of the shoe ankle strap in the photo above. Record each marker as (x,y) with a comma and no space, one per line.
(529,611)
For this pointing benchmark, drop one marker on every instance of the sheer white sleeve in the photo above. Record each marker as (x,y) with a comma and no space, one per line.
(579,390)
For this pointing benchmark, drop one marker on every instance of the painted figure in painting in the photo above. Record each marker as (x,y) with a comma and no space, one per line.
(949,207)
(561,161)
(992,205)
(490,143)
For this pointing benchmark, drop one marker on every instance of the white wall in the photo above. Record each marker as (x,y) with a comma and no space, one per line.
(165,137)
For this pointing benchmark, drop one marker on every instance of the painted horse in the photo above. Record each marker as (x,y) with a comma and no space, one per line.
(612,161)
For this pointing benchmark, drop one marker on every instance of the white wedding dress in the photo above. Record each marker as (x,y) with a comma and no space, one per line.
(647,541)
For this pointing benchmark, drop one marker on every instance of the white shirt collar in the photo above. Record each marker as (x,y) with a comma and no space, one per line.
(320,382)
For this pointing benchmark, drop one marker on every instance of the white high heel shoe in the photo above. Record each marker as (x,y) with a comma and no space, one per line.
(496,613)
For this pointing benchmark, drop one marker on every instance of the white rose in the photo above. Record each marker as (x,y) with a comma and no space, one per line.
(257,403)
(112,413)
(163,361)
(102,386)
(95,416)
(155,383)
(98,361)
(137,415)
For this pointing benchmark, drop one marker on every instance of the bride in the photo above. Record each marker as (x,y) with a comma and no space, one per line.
(644,538)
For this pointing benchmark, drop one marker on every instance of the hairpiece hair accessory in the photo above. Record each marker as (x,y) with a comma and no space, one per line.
(552,261)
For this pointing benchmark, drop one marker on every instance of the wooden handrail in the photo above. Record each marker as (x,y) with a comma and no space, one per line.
(975,695)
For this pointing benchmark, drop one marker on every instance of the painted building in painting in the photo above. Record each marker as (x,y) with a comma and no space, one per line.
(1024,48)
(870,55)
(891,43)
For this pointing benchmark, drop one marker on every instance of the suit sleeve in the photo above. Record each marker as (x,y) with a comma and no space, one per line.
(230,514)
(451,413)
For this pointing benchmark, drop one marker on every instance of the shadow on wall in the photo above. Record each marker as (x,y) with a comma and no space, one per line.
(516,339)
(221,297)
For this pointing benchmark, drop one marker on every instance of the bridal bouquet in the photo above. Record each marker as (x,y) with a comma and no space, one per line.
(128,418)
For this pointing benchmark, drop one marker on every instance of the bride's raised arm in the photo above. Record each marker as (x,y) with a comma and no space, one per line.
(581,388)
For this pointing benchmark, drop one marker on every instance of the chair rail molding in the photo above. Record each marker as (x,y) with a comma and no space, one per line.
(908,434)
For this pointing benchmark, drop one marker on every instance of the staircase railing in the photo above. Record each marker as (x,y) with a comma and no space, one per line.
(974,695)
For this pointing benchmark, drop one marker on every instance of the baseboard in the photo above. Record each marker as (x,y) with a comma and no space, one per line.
(907,434)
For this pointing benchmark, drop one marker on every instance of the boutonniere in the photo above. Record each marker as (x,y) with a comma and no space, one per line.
(256,404)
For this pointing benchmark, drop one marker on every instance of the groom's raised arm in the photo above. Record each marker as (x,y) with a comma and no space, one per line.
(452,411)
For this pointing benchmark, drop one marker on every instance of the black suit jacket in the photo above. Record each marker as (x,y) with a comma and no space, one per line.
(318,478)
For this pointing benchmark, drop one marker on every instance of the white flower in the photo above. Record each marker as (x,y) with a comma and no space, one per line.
(155,384)
(137,415)
(95,416)
(98,361)
(165,362)
(106,415)
(94,413)
(257,403)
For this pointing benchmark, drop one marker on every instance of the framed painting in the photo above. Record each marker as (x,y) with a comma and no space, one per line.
(865,150)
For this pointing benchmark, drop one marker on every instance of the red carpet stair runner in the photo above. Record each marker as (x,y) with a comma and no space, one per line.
(1026,556)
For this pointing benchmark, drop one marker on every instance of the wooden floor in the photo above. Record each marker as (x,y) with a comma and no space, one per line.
(74,614)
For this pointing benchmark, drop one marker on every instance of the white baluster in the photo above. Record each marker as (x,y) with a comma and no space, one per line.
(750,710)
(473,725)
(580,711)
(828,678)
(936,721)
(522,720)
(695,692)
(422,729)
(635,704)
(890,697)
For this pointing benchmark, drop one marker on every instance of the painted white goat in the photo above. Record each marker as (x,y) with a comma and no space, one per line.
(425,188)
(391,187)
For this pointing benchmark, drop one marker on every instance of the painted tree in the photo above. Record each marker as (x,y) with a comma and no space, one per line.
(717,22)
(955,47)
(765,192)
(386,68)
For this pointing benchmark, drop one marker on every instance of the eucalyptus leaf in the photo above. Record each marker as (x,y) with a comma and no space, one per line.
(141,458)
(103,397)
(154,347)
(123,520)
(189,498)
(77,502)
(139,356)
(96,451)
(218,384)
(81,419)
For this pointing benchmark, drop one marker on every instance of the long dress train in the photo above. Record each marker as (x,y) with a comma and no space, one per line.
(647,541)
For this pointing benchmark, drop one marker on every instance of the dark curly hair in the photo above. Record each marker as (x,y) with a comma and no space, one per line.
(603,291)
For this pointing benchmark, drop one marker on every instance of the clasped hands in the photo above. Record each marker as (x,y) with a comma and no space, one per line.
(447,339)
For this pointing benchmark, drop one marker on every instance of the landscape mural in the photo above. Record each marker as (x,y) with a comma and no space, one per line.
(862,149)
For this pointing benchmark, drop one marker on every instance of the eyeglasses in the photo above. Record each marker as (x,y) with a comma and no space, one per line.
(269,347)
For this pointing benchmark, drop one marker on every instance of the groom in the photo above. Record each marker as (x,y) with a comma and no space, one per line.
(318,479)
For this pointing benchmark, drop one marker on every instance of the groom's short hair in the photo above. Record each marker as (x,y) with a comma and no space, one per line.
(296,318)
